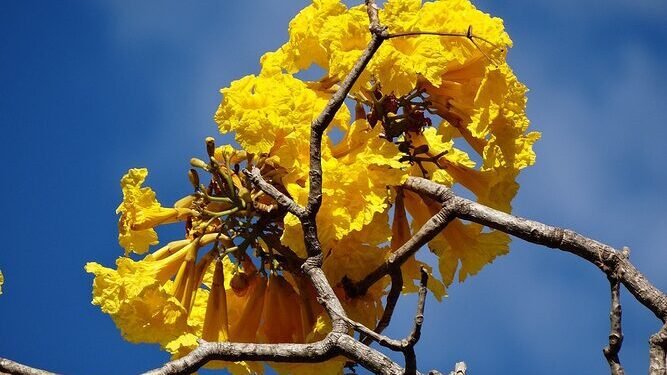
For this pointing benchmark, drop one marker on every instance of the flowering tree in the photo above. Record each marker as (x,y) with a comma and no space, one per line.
(299,241)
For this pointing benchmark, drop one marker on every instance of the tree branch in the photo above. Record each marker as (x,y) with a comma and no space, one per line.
(313,268)
(392,299)
(426,233)
(375,27)
(413,338)
(332,345)
(616,334)
(320,124)
(658,352)
(612,262)
(313,265)
(10,367)
(386,341)
(406,346)
(227,351)
(255,176)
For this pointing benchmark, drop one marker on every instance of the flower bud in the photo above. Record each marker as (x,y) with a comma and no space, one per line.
(198,163)
(210,146)
(194,178)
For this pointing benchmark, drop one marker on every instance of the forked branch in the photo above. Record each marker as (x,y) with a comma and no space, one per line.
(612,262)
(406,345)
(426,233)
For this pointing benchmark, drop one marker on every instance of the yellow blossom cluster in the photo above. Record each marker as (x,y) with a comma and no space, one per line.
(459,80)
(437,100)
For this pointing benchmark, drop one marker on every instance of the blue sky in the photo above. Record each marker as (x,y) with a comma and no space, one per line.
(89,89)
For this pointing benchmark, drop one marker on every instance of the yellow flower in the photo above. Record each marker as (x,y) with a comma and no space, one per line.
(2,281)
(356,175)
(144,301)
(304,46)
(462,80)
(228,312)
(216,324)
(271,114)
(480,102)
(281,313)
(140,213)
(140,305)
(247,316)
(484,106)
(331,36)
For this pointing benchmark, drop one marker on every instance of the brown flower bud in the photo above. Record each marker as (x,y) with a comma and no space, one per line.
(210,146)
(194,178)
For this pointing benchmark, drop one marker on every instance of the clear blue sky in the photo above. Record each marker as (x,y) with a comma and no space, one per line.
(91,88)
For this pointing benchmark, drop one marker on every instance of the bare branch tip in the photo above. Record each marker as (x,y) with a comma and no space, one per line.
(424,277)
(612,350)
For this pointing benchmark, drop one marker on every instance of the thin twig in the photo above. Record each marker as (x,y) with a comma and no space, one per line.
(406,345)
(426,233)
(413,338)
(392,299)
(386,341)
(616,334)
(255,176)
(435,33)
(292,261)
(468,35)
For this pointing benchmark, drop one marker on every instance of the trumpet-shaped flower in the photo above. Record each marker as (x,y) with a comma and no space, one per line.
(141,306)
(140,213)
